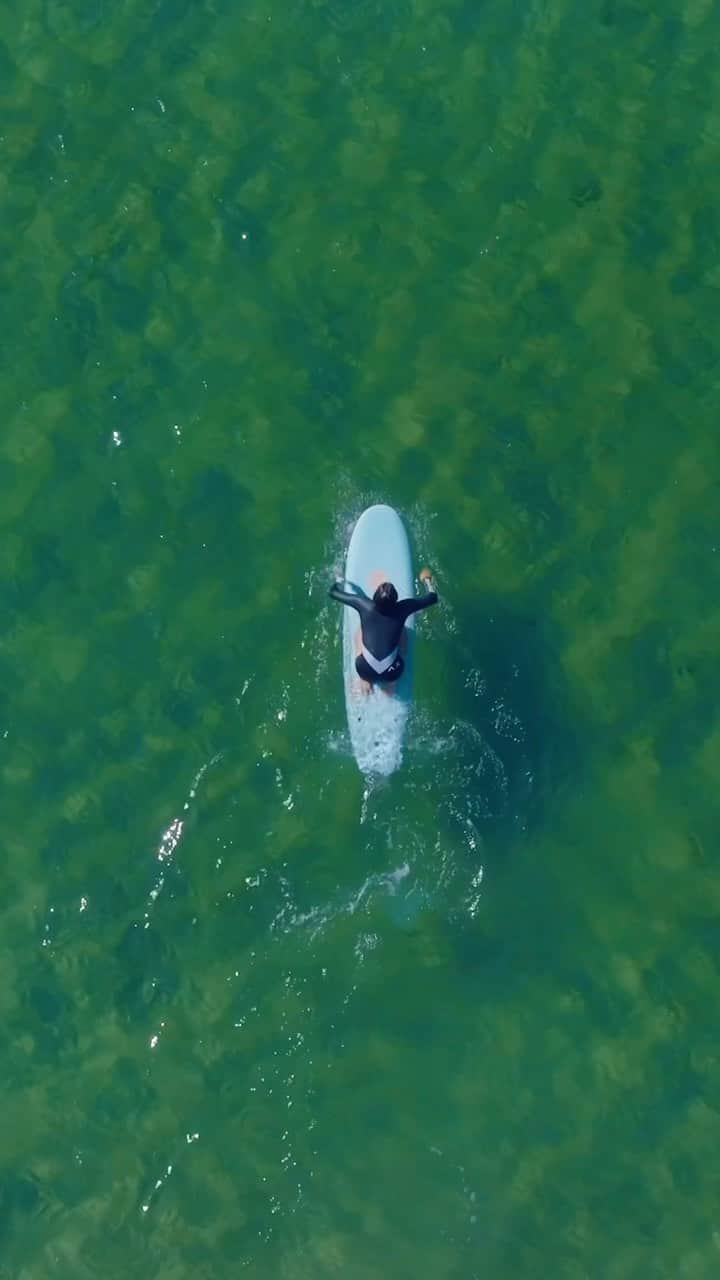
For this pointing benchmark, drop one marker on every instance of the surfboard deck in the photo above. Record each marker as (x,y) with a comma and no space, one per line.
(379,551)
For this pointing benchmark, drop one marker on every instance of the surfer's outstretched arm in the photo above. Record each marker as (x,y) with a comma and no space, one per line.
(350,598)
(414,605)
(421,602)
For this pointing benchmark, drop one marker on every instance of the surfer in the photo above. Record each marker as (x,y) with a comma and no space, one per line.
(382,628)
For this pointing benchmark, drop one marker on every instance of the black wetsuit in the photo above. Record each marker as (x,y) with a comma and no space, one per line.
(381,630)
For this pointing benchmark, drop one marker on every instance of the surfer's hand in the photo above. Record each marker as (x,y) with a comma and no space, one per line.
(425,575)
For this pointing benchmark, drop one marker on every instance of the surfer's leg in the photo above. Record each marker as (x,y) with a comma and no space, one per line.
(392,675)
(360,685)
(388,684)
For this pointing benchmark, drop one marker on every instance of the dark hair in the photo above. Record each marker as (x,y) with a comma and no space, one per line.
(385,596)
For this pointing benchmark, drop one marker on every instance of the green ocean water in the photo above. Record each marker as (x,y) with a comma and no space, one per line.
(262,265)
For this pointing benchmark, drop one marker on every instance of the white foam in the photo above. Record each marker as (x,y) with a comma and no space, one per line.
(377,725)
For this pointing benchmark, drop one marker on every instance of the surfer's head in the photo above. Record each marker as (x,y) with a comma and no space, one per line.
(385,596)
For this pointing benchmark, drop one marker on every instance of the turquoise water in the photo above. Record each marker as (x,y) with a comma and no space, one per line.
(262,266)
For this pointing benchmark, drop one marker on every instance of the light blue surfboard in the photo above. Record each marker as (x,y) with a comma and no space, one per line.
(379,551)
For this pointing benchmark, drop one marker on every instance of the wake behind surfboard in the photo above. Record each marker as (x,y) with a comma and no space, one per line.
(379,551)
